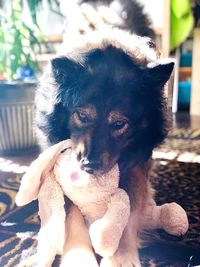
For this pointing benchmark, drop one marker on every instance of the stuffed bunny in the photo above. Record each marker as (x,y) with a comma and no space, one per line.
(105,207)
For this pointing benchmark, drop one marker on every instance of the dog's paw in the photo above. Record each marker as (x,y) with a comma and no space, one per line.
(174,219)
(77,257)
(105,237)
(121,259)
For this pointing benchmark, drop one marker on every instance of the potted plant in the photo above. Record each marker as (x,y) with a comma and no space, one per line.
(18,47)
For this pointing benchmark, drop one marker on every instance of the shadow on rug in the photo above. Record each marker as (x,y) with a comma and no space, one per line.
(173,179)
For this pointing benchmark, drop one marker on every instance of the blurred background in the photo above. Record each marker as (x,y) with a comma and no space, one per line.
(31,32)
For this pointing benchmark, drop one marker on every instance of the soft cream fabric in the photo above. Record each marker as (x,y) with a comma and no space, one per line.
(105,207)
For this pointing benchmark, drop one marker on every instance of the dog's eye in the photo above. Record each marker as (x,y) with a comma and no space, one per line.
(119,127)
(82,117)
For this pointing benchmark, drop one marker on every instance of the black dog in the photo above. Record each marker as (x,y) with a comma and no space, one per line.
(108,97)
(108,101)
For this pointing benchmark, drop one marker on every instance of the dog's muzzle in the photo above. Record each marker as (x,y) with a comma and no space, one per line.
(90,166)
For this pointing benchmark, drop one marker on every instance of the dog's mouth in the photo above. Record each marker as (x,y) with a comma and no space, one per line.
(96,172)
(88,165)
(95,167)
(94,163)
(92,167)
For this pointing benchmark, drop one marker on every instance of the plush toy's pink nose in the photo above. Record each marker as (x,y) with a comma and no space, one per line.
(75,176)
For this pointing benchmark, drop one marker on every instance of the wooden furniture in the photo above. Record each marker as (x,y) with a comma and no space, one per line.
(165,34)
(195,93)
(185,73)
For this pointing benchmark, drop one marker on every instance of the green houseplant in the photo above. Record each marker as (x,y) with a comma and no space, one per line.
(18,48)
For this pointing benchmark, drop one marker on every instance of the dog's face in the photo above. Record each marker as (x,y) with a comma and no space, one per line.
(99,135)
(100,128)
(111,106)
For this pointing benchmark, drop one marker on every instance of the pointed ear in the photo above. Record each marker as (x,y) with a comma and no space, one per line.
(160,74)
(65,69)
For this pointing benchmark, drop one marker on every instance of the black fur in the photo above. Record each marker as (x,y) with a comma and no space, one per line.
(110,80)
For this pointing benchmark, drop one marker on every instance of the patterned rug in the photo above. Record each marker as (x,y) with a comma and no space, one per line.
(175,176)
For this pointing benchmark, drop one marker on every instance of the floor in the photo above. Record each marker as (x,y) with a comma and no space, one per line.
(184,120)
(11,166)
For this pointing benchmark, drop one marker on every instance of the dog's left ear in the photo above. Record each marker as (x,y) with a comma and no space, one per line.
(160,73)
(66,70)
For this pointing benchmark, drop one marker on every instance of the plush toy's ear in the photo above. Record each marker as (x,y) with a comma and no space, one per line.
(65,69)
(37,172)
(160,73)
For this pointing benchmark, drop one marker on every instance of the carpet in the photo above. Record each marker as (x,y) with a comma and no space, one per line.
(175,176)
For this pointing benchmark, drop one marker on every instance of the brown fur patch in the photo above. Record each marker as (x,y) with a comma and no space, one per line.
(116,116)
(84,115)
(89,110)
(117,119)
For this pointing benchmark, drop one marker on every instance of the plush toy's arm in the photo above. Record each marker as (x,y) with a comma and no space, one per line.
(38,170)
(40,182)
(51,236)
(106,232)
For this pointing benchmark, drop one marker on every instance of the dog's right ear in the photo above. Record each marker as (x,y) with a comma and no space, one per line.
(65,69)
(159,74)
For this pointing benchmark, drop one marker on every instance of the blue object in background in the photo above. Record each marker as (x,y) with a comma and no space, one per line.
(25,72)
(184,92)
(186,59)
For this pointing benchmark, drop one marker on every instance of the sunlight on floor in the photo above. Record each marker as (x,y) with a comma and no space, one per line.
(164,155)
(25,235)
(7,165)
(189,157)
(10,166)
(7,224)
(181,157)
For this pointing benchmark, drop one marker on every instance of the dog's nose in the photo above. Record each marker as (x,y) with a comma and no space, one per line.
(90,166)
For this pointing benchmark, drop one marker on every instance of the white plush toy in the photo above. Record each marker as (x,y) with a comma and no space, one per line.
(105,207)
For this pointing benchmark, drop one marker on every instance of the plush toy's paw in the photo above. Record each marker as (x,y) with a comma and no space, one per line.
(105,237)
(79,257)
(121,259)
(174,219)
